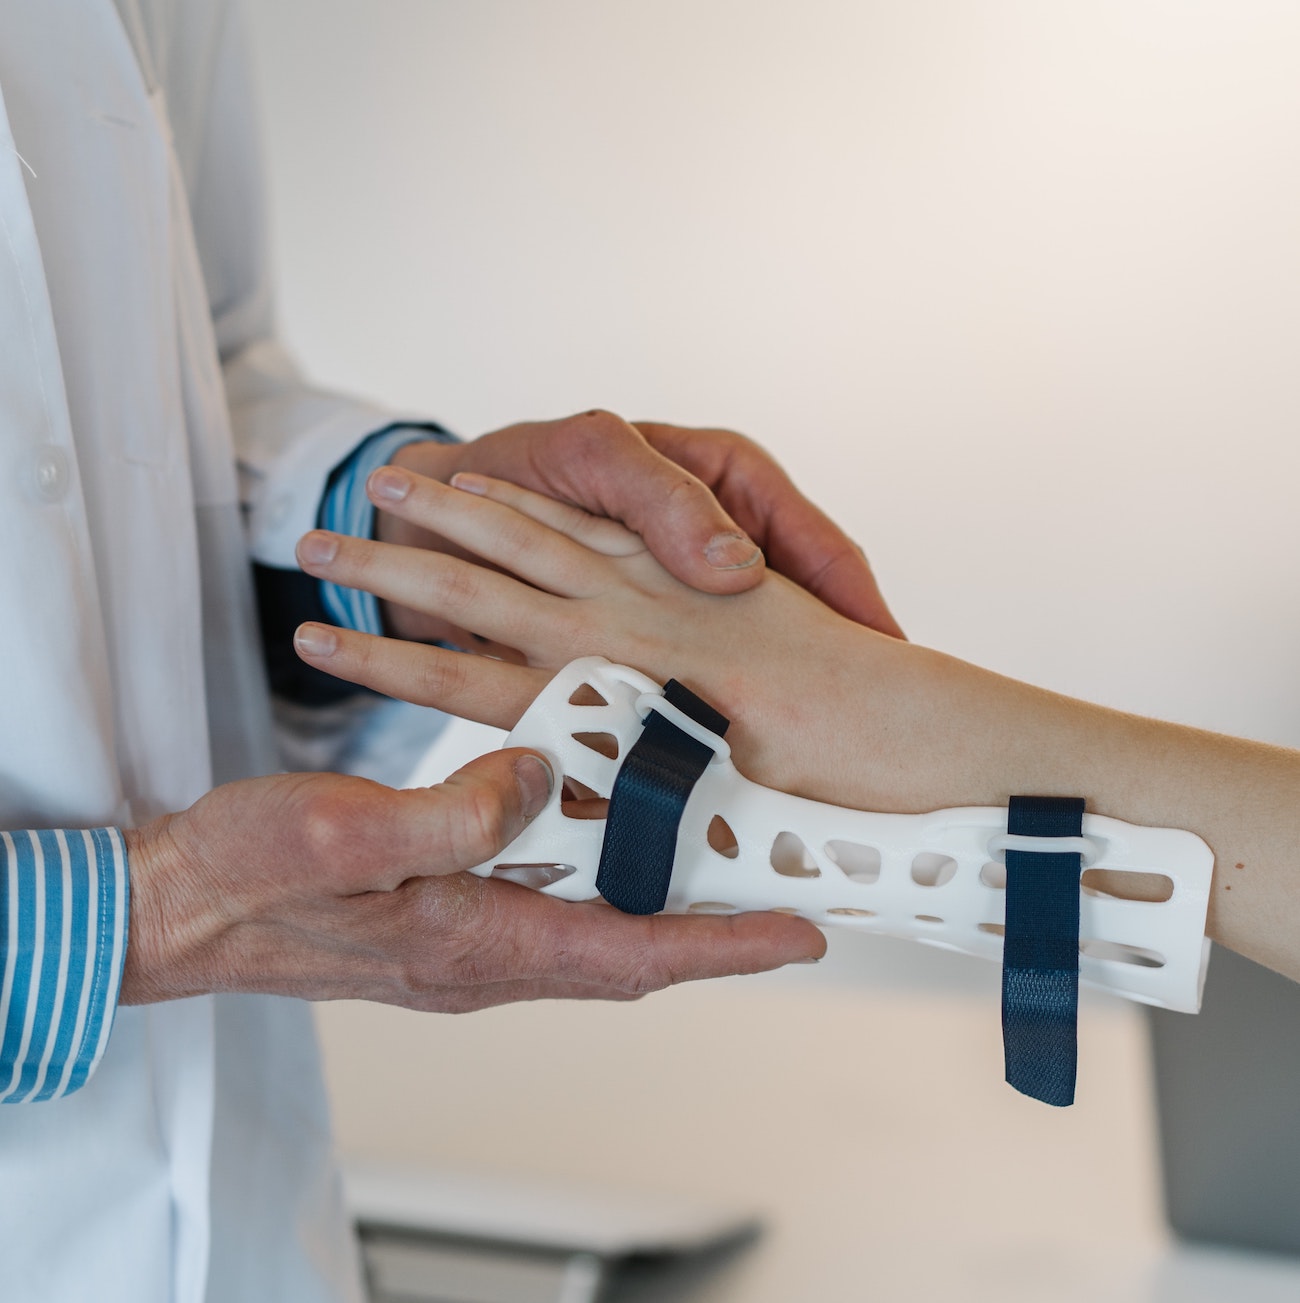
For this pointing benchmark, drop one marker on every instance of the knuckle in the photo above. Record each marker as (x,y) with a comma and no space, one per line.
(603,420)
(458,587)
(441,953)
(728,445)
(735,442)
(441,678)
(325,827)
(592,432)
(685,489)
(641,970)
(481,823)
(515,536)
(335,826)
(644,980)
(846,555)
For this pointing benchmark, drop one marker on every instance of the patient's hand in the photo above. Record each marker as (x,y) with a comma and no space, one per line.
(774,659)
(702,499)
(820,706)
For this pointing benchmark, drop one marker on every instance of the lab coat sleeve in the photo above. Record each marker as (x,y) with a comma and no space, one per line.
(289,435)
(61,957)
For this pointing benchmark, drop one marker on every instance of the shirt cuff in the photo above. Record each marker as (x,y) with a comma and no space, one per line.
(345,509)
(64,899)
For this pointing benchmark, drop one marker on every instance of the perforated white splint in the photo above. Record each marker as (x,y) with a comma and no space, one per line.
(937,878)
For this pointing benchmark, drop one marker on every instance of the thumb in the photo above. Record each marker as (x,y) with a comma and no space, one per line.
(608,468)
(482,808)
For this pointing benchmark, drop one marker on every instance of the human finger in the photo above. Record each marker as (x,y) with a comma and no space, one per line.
(365,838)
(494,605)
(486,526)
(603,465)
(800,540)
(551,939)
(486,931)
(487,691)
(598,533)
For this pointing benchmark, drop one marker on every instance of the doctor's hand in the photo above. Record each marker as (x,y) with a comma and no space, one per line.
(328,887)
(708,504)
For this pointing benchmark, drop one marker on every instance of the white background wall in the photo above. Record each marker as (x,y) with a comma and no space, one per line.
(1012,287)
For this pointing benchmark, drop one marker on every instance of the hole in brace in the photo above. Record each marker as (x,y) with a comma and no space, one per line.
(1115,884)
(721,838)
(710,907)
(578,801)
(928,918)
(534,876)
(585,695)
(843,911)
(930,869)
(858,863)
(993,929)
(1118,884)
(792,859)
(603,744)
(1120,953)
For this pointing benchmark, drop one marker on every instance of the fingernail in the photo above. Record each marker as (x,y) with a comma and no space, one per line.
(318,548)
(811,959)
(470,482)
(731,552)
(316,640)
(536,782)
(389,483)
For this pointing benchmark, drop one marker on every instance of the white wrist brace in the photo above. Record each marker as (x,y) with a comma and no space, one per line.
(937,878)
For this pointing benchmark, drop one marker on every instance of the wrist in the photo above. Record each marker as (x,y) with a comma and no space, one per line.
(832,728)
(161,941)
(896,727)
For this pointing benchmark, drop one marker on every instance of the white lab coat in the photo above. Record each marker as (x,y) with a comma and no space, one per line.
(136,369)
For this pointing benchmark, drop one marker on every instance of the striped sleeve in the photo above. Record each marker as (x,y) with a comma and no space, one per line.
(63,920)
(345,509)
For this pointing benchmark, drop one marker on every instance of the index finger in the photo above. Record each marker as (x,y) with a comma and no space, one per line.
(594,944)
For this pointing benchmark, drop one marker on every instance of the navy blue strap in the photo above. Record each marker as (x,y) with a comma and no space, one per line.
(646,805)
(1040,958)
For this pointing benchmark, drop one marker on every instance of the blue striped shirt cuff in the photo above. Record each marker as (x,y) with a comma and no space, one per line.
(346,510)
(63,921)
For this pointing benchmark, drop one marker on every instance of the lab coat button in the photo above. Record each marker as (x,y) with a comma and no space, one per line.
(49,473)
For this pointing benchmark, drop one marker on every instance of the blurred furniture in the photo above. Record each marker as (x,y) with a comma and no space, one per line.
(1228,1089)
(870,1128)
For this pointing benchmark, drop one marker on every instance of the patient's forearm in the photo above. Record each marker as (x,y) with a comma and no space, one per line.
(928,732)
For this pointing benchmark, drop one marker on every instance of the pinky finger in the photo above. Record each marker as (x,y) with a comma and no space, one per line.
(473,687)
